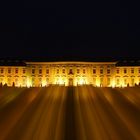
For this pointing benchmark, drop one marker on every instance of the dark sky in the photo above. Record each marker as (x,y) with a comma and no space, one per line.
(70,29)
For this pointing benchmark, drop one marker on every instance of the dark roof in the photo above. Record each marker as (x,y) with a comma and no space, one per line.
(22,61)
(72,58)
(128,63)
(61,58)
(12,63)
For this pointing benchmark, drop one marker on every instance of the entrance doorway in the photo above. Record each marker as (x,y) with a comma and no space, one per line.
(70,82)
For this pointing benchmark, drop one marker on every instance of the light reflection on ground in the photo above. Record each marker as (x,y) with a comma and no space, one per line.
(70,113)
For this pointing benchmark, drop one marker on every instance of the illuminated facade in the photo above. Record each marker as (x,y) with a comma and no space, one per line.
(37,74)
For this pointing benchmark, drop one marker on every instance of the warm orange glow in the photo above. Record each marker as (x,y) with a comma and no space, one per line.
(98,83)
(81,81)
(44,83)
(61,82)
(31,76)
(29,83)
(113,84)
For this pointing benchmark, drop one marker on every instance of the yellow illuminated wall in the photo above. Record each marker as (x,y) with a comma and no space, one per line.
(40,74)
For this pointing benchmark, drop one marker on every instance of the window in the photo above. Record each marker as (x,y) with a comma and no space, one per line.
(108,71)
(24,71)
(132,70)
(47,71)
(9,70)
(84,71)
(63,71)
(117,71)
(101,71)
(33,71)
(57,71)
(2,70)
(139,70)
(125,71)
(70,72)
(78,71)
(94,71)
(40,71)
(16,70)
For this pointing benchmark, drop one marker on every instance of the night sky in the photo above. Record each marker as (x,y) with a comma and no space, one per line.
(70,29)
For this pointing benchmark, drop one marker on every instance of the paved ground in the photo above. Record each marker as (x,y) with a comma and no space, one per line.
(70,113)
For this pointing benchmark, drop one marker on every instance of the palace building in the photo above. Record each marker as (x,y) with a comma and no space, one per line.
(71,73)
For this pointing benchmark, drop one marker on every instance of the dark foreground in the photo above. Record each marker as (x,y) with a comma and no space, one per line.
(70,113)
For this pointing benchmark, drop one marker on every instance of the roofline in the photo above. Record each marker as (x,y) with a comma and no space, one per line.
(12,66)
(71,62)
(128,66)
